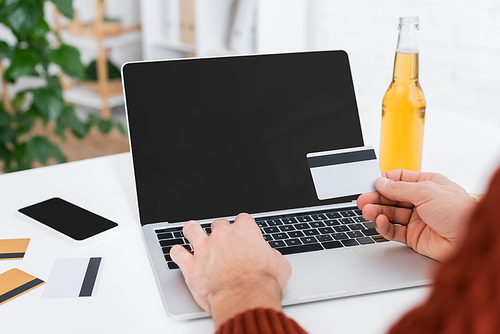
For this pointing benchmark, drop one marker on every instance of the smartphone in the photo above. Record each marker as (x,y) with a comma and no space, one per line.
(69,221)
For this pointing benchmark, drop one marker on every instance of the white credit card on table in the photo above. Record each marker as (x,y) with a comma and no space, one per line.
(345,172)
(73,278)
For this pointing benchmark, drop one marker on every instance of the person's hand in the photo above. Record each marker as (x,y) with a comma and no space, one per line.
(233,269)
(426,211)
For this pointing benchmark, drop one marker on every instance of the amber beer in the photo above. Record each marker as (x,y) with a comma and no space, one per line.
(403,106)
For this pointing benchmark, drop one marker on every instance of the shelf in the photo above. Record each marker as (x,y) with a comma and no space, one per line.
(83,96)
(110,29)
(114,86)
(171,45)
(86,42)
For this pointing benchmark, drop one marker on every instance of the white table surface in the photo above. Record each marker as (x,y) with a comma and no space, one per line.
(128,300)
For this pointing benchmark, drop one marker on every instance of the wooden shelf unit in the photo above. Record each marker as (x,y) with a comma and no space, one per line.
(102,32)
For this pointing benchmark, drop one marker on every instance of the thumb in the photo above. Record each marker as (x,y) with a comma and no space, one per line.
(180,255)
(400,191)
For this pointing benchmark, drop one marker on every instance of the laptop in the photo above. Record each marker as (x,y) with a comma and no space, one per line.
(213,137)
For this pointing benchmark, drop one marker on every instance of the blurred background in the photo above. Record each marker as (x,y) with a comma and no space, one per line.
(459,49)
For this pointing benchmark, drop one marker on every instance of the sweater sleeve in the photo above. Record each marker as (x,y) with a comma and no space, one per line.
(466,293)
(261,321)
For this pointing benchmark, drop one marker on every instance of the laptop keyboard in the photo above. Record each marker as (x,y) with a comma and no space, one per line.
(295,233)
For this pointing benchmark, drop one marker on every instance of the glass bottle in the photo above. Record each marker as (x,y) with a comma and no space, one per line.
(403,106)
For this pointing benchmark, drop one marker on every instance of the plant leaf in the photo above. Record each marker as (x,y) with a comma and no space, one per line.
(54,83)
(39,30)
(68,119)
(5,119)
(92,120)
(2,12)
(41,149)
(65,7)
(104,125)
(5,50)
(59,131)
(91,71)
(49,102)
(18,100)
(40,49)
(33,113)
(8,135)
(23,63)
(68,58)
(22,16)
(121,128)
(24,122)
(22,157)
(5,155)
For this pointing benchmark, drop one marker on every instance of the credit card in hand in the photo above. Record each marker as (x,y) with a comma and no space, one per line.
(344,172)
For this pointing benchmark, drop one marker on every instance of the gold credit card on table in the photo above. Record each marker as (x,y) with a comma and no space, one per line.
(15,282)
(13,249)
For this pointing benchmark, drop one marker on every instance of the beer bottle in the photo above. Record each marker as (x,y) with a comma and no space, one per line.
(403,106)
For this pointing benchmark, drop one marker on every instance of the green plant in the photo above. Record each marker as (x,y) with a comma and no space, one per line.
(38,52)
(91,71)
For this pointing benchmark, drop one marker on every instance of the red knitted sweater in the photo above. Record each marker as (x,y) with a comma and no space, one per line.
(465,296)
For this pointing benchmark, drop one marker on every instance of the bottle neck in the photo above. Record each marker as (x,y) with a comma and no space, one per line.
(408,38)
(406,67)
(406,61)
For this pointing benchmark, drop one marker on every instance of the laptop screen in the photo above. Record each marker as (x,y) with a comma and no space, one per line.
(213,137)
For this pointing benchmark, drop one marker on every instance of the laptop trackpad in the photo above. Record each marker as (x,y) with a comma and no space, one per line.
(395,263)
(327,274)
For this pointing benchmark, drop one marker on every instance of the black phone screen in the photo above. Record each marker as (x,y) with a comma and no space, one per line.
(67,218)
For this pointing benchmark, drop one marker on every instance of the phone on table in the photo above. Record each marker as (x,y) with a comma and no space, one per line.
(69,221)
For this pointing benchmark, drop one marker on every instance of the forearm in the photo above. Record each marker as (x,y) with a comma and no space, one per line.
(466,293)
(245,296)
(260,321)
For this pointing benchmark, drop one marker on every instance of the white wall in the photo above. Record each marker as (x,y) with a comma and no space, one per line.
(459,49)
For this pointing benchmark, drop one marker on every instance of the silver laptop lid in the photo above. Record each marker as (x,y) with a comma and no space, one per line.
(212,137)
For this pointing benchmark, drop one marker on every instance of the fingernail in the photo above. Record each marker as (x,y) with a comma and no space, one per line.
(381,182)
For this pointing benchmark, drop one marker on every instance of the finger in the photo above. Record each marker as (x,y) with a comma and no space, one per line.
(194,233)
(218,222)
(373,198)
(404,192)
(394,214)
(412,176)
(377,198)
(401,175)
(246,220)
(389,230)
(181,256)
